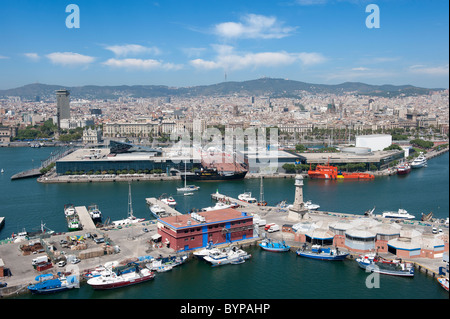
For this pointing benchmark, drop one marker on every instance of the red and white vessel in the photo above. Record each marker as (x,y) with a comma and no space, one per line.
(109,279)
(403,169)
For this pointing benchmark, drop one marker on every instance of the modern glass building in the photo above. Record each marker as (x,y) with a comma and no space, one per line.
(122,158)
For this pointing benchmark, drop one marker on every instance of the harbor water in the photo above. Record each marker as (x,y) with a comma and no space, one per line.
(25,203)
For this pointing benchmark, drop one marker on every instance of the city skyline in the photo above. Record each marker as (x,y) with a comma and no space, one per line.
(178,43)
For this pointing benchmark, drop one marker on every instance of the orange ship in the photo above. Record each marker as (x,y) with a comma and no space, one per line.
(331,172)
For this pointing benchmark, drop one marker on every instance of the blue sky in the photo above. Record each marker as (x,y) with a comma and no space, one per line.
(193,42)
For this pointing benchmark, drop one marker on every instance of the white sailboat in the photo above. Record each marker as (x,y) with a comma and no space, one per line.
(130,219)
(187,188)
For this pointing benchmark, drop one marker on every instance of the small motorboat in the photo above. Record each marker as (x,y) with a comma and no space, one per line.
(318,252)
(274,246)
(169,201)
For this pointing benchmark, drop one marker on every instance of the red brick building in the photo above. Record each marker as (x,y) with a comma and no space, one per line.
(192,231)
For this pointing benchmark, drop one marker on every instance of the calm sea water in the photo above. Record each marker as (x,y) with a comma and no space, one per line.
(25,203)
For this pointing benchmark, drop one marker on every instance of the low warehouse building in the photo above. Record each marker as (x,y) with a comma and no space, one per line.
(193,231)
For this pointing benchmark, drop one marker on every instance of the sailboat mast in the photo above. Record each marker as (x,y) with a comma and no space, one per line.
(261,191)
(130,205)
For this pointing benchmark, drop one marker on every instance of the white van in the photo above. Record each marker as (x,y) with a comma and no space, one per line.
(273,228)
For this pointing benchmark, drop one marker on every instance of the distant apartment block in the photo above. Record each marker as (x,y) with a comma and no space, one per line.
(62,105)
(6,133)
(137,129)
(129,129)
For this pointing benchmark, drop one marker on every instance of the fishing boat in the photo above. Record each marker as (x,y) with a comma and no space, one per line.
(419,162)
(69,210)
(274,246)
(166,263)
(74,224)
(318,252)
(230,256)
(49,283)
(158,211)
(131,219)
(95,213)
(110,279)
(200,254)
(403,169)
(100,269)
(443,281)
(400,214)
(374,263)
(247,197)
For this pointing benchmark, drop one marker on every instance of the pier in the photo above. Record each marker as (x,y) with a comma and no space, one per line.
(36,172)
(169,210)
(230,200)
(85,219)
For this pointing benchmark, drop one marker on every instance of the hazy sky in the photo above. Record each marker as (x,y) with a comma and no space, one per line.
(187,43)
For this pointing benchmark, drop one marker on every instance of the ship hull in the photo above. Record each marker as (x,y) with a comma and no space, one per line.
(321,256)
(215,177)
(119,284)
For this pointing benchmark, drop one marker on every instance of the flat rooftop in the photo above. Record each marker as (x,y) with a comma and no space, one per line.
(373,157)
(104,154)
(212,217)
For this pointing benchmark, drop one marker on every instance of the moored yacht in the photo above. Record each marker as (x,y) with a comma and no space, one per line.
(158,211)
(230,256)
(419,161)
(218,206)
(247,197)
(169,201)
(400,214)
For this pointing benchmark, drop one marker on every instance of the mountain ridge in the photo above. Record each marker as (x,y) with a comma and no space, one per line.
(270,87)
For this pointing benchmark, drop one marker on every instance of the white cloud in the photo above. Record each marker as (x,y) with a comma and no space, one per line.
(355,74)
(253,26)
(32,56)
(227,59)
(361,68)
(3,57)
(146,64)
(69,58)
(132,49)
(193,52)
(422,69)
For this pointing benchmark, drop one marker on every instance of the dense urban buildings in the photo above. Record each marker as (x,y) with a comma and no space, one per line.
(333,119)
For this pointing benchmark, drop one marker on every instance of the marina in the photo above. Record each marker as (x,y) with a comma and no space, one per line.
(136,243)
